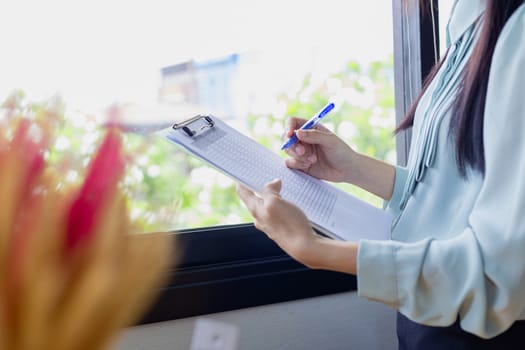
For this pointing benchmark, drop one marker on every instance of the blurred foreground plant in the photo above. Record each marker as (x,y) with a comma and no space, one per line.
(71,274)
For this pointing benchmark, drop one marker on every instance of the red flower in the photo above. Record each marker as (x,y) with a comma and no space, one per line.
(104,173)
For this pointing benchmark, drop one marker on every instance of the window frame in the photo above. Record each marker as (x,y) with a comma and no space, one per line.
(224,268)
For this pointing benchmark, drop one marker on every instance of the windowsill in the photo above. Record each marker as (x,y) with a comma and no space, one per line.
(233,267)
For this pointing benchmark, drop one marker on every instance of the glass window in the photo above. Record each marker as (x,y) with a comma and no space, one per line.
(252,63)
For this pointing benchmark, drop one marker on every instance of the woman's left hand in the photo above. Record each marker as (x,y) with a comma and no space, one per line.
(282,221)
(287,226)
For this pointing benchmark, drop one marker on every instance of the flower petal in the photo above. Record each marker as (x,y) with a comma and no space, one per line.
(105,171)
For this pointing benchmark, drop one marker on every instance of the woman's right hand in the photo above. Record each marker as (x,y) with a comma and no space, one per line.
(321,153)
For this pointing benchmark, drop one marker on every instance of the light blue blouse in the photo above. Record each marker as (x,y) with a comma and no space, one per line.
(458,245)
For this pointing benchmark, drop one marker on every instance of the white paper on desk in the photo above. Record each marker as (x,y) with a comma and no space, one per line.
(330,210)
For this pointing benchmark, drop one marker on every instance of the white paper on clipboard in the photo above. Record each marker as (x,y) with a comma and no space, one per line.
(330,210)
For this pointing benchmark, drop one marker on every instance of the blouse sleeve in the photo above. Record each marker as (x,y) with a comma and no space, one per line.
(479,274)
(393,205)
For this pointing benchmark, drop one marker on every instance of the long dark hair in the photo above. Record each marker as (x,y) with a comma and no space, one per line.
(466,124)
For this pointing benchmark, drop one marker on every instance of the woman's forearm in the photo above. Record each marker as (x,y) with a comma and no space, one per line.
(332,255)
(374,176)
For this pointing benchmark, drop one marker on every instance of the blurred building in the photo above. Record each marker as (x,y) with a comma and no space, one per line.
(208,84)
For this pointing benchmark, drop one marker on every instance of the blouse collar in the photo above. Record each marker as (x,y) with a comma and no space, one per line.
(464,13)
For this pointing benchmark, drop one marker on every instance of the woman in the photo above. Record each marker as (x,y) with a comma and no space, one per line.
(454,267)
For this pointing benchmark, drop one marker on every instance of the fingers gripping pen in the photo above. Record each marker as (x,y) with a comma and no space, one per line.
(309,125)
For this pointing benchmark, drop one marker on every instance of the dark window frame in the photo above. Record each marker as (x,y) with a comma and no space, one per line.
(226,268)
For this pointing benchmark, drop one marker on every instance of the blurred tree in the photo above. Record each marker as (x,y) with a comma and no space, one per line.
(169,189)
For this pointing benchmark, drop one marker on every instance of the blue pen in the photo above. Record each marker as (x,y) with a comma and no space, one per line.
(308,125)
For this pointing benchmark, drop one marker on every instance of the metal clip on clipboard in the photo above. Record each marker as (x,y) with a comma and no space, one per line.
(195,126)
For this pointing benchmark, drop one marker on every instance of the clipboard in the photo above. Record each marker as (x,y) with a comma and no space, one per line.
(331,211)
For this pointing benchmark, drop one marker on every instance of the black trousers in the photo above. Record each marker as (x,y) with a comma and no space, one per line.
(414,336)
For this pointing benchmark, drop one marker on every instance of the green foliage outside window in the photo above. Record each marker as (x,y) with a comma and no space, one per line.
(170,190)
